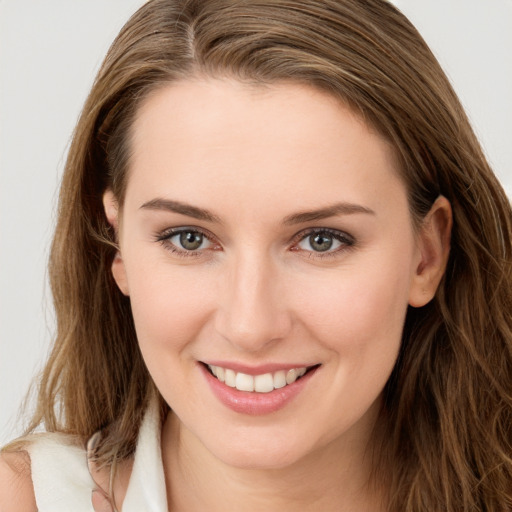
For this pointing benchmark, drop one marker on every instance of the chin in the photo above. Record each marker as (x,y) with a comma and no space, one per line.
(259,461)
(258,452)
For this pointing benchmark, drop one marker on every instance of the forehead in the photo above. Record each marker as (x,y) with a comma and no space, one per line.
(202,138)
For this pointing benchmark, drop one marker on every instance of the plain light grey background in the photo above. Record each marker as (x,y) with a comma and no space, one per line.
(49,53)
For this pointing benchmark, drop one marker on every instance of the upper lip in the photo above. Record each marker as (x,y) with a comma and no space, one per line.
(256,369)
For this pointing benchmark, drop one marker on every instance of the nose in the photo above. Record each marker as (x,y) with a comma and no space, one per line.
(252,309)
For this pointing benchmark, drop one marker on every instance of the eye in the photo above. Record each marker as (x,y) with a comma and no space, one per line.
(325,241)
(185,241)
(190,240)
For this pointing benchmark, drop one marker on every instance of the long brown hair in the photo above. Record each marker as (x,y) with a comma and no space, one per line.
(445,431)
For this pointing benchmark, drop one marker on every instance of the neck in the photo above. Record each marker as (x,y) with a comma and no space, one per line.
(335,477)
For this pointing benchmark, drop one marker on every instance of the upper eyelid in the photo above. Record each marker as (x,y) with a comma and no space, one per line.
(168,232)
(309,231)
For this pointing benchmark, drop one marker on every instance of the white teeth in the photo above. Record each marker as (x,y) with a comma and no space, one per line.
(244,382)
(280,379)
(230,378)
(291,376)
(264,383)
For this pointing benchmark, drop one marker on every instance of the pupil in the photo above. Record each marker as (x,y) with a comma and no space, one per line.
(321,242)
(190,240)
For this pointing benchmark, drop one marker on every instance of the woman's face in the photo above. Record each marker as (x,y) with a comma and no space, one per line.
(265,231)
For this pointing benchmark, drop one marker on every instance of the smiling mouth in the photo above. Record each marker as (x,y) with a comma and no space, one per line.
(264,383)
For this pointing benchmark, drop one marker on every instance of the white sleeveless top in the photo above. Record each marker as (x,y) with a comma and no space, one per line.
(62,482)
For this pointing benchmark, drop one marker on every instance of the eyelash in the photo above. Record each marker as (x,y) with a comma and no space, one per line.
(165,239)
(346,241)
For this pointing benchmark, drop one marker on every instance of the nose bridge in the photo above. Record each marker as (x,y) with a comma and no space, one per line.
(252,313)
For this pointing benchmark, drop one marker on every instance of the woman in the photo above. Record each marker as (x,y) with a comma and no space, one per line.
(281,274)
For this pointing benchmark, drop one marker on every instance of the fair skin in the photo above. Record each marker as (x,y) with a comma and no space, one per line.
(267,229)
(16,491)
(254,288)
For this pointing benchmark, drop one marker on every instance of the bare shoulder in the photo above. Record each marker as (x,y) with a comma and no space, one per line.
(16,489)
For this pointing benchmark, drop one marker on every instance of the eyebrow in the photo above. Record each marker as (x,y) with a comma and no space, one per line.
(182,208)
(296,218)
(329,211)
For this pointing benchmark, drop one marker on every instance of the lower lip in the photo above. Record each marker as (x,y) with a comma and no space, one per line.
(253,403)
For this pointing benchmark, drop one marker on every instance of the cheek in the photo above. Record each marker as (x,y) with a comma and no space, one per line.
(169,307)
(361,307)
(359,319)
(169,310)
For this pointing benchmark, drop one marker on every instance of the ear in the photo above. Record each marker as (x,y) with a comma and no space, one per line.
(111,207)
(433,242)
